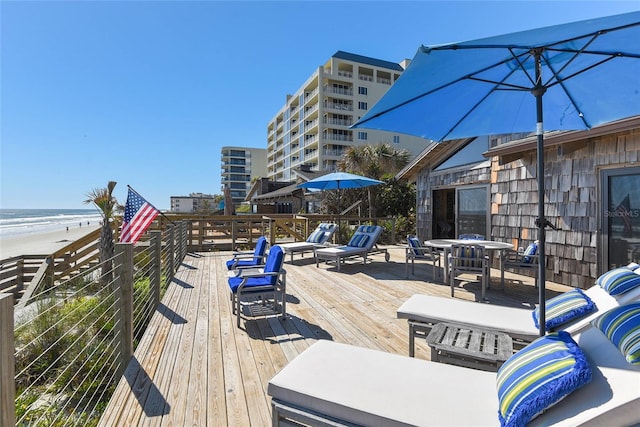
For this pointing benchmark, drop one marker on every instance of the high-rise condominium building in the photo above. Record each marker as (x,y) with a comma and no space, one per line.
(239,166)
(312,128)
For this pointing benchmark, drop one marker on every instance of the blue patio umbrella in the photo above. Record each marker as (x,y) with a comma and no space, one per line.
(578,75)
(339,181)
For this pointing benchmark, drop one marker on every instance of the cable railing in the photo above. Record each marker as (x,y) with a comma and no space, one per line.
(63,351)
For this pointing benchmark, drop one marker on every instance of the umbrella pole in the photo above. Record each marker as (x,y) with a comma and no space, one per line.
(538,92)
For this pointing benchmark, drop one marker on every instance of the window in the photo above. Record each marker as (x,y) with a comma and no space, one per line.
(363,106)
(362,90)
(396,139)
(362,136)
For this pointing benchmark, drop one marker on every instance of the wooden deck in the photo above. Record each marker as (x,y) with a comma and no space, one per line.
(194,367)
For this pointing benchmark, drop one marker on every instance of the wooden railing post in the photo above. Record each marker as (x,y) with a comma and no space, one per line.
(184,239)
(156,278)
(124,282)
(234,231)
(172,249)
(7,363)
(20,275)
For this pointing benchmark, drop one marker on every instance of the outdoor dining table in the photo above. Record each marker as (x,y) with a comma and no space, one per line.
(445,245)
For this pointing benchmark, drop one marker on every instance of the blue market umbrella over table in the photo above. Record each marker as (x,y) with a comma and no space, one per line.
(339,181)
(576,75)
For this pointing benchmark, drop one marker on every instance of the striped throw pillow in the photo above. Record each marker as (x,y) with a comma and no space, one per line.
(316,236)
(564,308)
(532,249)
(358,240)
(619,280)
(415,243)
(622,326)
(366,229)
(539,376)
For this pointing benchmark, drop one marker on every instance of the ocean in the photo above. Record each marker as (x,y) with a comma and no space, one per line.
(20,222)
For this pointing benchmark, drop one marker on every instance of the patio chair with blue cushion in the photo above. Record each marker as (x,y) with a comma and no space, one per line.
(468,258)
(362,243)
(415,251)
(260,282)
(319,238)
(253,258)
(520,260)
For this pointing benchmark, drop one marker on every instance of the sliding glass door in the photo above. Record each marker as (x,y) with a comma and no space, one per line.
(620,217)
(472,213)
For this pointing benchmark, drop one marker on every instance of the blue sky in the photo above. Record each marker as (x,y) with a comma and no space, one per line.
(146,93)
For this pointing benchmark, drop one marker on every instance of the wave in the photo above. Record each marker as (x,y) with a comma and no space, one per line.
(17,222)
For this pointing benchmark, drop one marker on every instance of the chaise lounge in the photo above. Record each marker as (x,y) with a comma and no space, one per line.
(424,311)
(338,384)
(362,243)
(319,238)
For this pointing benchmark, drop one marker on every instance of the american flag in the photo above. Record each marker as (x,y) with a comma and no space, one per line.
(138,216)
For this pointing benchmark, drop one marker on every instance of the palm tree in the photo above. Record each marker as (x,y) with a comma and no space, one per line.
(103,199)
(373,161)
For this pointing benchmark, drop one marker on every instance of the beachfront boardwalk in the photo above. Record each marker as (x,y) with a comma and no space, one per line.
(195,367)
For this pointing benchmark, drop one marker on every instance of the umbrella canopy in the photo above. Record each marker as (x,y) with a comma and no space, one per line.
(576,75)
(339,181)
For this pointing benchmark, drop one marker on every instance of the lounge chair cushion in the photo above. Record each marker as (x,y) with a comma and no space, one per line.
(358,240)
(564,308)
(619,280)
(532,249)
(539,376)
(316,236)
(622,326)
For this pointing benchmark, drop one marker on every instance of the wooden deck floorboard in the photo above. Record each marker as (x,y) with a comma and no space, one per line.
(193,366)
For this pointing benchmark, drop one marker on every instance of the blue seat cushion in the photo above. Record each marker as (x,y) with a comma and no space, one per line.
(621,325)
(619,280)
(234,282)
(241,263)
(539,376)
(564,308)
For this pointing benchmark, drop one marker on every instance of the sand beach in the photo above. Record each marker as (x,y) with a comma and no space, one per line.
(42,243)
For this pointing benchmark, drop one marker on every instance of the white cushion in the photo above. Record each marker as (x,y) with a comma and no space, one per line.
(375,388)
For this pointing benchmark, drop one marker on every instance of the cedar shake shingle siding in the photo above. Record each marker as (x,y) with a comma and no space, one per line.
(572,197)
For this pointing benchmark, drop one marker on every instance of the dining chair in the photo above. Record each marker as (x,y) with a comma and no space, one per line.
(468,258)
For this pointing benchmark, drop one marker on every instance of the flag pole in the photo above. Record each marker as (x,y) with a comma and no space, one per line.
(159,211)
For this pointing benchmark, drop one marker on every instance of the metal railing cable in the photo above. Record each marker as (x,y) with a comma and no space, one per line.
(70,337)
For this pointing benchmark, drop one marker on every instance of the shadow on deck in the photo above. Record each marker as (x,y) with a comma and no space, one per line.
(194,367)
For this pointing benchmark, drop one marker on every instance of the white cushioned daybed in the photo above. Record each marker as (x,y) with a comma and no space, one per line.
(339,384)
(424,311)
(362,243)
(319,238)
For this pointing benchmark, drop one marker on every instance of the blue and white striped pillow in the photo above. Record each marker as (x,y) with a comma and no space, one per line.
(358,240)
(622,326)
(532,249)
(539,376)
(619,280)
(367,229)
(316,236)
(563,308)
(415,243)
